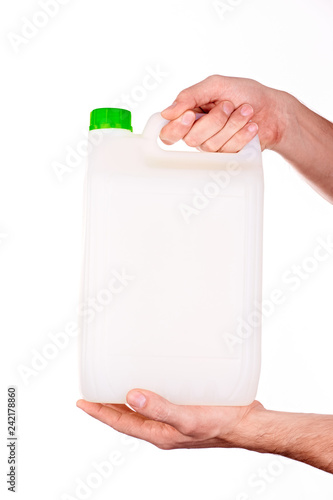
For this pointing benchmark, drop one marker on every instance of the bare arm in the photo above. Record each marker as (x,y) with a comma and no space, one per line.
(307,438)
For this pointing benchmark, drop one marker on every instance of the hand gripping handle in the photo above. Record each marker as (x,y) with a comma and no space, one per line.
(154,126)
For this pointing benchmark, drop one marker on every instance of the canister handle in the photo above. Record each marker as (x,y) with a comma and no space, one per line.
(156,122)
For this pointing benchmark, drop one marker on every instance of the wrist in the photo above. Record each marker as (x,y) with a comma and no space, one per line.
(254,431)
(285,116)
(304,139)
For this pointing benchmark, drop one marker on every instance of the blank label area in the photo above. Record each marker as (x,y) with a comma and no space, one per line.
(189,283)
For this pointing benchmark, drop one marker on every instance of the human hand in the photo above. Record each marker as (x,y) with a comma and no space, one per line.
(169,426)
(230,122)
(300,436)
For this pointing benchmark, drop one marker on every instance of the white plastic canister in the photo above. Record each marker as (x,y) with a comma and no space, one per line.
(171,282)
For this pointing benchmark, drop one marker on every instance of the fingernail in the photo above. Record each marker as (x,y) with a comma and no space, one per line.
(173,105)
(136,399)
(246,110)
(252,127)
(227,108)
(187,118)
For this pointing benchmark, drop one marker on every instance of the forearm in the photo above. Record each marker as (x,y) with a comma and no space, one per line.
(307,438)
(307,144)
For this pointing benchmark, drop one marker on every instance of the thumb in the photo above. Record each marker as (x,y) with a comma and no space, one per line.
(154,407)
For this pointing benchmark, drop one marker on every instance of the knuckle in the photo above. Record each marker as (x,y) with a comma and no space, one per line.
(191,141)
(183,95)
(218,118)
(235,122)
(209,146)
(214,78)
(215,82)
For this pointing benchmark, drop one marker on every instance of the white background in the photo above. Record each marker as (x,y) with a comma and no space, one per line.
(86,56)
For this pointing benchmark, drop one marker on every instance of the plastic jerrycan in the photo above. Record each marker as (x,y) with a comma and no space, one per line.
(171,282)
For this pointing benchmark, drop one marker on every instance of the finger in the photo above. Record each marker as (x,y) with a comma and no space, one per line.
(177,129)
(99,410)
(188,420)
(134,424)
(240,139)
(202,93)
(209,125)
(119,417)
(236,122)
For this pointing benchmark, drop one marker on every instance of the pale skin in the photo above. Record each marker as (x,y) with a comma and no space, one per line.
(236,109)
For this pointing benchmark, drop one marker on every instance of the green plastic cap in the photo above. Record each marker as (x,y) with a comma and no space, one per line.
(110,118)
